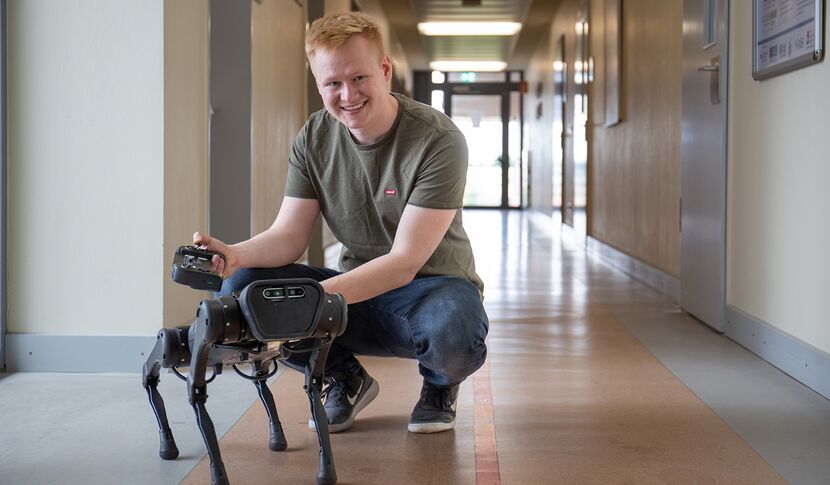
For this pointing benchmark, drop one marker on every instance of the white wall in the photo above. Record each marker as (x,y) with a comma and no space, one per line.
(778,201)
(86,155)
(108,163)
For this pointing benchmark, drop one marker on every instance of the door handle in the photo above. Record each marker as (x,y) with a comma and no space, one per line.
(714,81)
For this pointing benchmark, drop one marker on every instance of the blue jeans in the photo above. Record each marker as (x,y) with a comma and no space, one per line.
(438,320)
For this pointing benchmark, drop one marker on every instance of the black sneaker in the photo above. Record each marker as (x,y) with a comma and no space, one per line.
(435,411)
(346,394)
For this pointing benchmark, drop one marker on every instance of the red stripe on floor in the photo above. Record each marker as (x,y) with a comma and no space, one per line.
(487,457)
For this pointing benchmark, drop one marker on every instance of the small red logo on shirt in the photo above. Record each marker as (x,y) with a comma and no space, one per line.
(390,192)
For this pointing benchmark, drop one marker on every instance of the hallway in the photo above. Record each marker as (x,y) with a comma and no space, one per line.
(593,378)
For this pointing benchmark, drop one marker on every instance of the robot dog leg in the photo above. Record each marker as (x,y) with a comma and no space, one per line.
(171,349)
(313,386)
(277,441)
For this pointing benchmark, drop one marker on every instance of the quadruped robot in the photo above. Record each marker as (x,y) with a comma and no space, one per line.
(270,320)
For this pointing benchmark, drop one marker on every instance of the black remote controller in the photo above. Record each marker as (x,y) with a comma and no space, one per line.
(192,267)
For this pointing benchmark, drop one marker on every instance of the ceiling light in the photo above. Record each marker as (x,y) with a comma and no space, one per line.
(469,28)
(468,66)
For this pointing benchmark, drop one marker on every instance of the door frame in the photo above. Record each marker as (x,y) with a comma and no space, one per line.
(561,85)
(504,89)
(571,217)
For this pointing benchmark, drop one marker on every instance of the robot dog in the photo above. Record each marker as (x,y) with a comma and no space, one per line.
(269,320)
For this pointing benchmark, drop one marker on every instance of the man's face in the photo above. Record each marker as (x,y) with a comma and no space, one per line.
(352,80)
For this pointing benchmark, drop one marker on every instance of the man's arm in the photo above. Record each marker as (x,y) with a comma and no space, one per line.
(281,244)
(419,232)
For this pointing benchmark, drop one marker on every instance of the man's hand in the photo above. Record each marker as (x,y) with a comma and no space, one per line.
(281,244)
(228,263)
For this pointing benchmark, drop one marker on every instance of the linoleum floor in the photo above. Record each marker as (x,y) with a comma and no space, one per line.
(591,378)
(575,398)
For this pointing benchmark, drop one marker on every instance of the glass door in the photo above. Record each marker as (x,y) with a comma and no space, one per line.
(479,117)
(487,108)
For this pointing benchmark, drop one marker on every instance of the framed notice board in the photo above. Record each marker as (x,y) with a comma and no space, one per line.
(786,35)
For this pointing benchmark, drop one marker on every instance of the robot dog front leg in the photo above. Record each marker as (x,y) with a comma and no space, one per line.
(217,321)
(326,474)
(170,350)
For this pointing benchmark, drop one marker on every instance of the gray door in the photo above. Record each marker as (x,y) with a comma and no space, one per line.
(703,151)
(3,194)
(229,201)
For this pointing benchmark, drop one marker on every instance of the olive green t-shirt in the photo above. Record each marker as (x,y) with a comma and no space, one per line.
(363,189)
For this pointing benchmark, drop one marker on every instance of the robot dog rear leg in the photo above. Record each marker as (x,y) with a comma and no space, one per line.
(277,441)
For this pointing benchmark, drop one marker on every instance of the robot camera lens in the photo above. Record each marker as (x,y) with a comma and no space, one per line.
(273,293)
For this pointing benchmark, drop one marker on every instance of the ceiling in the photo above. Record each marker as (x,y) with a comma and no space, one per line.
(403,17)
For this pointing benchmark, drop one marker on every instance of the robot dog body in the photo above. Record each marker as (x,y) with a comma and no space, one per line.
(269,321)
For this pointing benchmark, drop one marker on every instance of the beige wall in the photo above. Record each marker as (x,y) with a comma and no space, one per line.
(540,139)
(393,46)
(186,56)
(778,265)
(634,175)
(634,166)
(277,102)
(336,6)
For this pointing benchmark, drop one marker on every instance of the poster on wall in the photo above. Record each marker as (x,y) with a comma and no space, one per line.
(787,35)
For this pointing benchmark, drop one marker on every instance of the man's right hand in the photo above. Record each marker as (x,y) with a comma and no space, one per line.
(283,243)
(225,265)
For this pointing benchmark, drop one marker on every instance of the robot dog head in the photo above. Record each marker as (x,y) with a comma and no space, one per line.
(266,311)
(291,309)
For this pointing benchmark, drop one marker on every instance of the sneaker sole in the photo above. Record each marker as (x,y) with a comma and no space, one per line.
(371,394)
(427,428)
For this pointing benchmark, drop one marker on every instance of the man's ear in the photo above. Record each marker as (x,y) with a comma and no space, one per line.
(314,76)
(386,65)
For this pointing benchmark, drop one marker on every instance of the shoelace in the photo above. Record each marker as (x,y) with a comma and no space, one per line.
(339,385)
(437,397)
(336,391)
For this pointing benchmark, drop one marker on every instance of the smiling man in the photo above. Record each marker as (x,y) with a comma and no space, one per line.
(388,175)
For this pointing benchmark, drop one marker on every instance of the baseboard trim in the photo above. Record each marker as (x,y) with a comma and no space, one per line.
(640,271)
(30,352)
(798,359)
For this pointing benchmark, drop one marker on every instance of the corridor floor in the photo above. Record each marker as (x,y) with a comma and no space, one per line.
(591,378)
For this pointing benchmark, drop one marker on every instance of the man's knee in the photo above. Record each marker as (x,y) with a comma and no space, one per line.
(460,349)
(452,333)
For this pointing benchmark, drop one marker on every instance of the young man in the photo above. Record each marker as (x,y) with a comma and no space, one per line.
(388,175)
